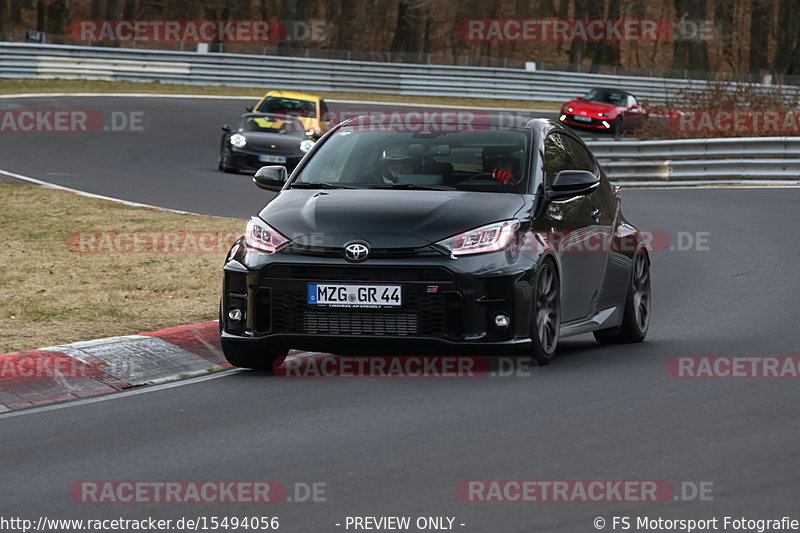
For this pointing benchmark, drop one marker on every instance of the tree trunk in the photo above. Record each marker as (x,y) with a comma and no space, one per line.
(57,19)
(409,35)
(690,54)
(112,9)
(787,55)
(760,23)
(605,52)
(15,13)
(96,10)
(129,11)
(41,15)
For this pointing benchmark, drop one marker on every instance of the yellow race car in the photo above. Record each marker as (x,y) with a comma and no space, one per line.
(310,109)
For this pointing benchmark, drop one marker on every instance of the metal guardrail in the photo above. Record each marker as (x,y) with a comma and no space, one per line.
(701,159)
(695,159)
(280,72)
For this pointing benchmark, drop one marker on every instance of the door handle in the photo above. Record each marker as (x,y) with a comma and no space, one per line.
(596,215)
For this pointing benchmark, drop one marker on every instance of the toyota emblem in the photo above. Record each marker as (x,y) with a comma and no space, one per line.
(356,252)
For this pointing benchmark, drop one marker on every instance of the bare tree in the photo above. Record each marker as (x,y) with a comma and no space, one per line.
(759,35)
(577,48)
(690,53)
(787,55)
(409,34)
(112,9)
(96,9)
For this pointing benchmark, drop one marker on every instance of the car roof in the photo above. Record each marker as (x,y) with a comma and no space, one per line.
(293,95)
(281,116)
(613,89)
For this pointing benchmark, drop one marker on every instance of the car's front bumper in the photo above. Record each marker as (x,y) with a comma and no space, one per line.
(597,124)
(249,159)
(449,305)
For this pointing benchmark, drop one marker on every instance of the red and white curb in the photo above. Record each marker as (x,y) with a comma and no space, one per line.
(77,370)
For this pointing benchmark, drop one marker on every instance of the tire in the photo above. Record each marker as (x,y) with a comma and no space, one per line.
(546,319)
(224,162)
(618,126)
(636,317)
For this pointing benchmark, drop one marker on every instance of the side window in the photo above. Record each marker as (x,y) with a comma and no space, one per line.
(557,157)
(581,158)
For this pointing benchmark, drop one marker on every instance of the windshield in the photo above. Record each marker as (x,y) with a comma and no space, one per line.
(271,123)
(606,97)
(275,104)
(491,160)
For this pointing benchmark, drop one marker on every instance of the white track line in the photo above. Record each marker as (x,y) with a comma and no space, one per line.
(49,185)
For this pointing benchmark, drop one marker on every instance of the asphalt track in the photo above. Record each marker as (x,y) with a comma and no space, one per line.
(400,447)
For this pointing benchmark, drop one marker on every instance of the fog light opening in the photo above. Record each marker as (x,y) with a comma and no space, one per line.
(502,321)
(562,118)
(235,314)
(606,124)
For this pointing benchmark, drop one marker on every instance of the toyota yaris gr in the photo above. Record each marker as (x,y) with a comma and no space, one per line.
(435,239)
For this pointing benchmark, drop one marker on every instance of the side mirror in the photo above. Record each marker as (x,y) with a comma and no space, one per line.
(226,128)
(248,108)
(572,183)
(634,106)
(271,178)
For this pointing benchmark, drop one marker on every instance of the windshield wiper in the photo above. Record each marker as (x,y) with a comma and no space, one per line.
(418,186)
(318,185)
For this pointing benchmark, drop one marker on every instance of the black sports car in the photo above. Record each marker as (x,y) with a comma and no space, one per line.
(426,241)
(262,138)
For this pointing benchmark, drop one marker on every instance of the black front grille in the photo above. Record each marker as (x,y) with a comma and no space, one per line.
(359,323)
(422,315)
(356,273)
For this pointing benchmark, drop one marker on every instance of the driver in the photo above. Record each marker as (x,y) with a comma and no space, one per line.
(503,163)
(395,161)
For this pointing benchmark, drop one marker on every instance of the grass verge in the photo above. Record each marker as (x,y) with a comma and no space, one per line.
(54,291)
(17,86)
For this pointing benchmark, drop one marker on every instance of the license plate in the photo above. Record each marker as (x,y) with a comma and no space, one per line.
(335,295)
(580,118)
(272,159)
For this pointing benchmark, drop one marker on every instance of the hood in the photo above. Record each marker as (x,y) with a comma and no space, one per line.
(590,107)
(260,140)
(384,218)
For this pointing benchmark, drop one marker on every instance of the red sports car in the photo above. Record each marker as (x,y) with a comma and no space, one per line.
(602,109)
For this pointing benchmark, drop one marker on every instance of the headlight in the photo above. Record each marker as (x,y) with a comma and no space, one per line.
(260,236)
(489,238)
(238,140)
(602,114)
(306,145)
(569,110)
